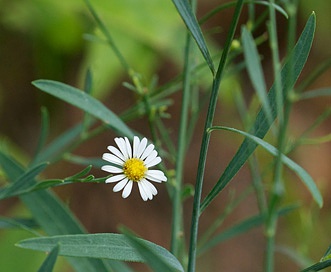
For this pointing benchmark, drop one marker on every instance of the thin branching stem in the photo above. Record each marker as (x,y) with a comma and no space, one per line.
(206,140)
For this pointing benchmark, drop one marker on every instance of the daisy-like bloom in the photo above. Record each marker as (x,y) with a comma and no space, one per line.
(131,164)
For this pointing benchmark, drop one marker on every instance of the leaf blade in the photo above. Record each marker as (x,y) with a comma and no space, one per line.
(192,25)
(102,245)
(304,176)
(84,102)
(155,259)
(48,264)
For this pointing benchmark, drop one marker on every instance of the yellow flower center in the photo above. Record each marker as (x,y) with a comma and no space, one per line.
(134,169)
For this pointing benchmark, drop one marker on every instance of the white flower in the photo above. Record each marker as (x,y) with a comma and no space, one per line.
(131,165)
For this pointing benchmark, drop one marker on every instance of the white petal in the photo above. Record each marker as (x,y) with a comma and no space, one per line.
(150,187)
(122,146)
(151,157)
(112,169)
(115,178)
(127,189)
(147,189)
(116,152)
(112,158)
(128,147)
(156,161)
(147,151)
(119,186)
(136,143)
(141,148)
(156,175)
(142,191)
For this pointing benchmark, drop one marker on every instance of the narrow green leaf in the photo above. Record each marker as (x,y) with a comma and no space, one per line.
(157,260)
(49,262)
(23,183)
(102,245)
(318,266)
(85,102)
(261,126)
(304,176)
(254,69)
(185,11)
(327,254)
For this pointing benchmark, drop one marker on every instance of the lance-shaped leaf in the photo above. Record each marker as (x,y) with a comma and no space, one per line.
(185,11)
(84,102)
(102,245)
(302,173)
(24,183)
(155,260)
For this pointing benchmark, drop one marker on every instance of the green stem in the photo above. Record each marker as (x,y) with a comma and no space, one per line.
(206,139)
(109,38)
(177,208)
(272,27)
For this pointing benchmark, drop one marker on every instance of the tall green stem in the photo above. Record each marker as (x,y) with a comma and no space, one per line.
(206,139)
(177,208)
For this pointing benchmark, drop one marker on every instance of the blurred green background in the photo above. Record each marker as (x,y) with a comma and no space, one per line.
(52,40)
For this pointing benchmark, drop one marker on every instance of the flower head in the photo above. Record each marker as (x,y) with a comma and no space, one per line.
(131,164)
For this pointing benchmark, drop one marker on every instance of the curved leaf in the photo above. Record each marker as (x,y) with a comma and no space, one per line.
(102,245)
(158,262)
(85,102)
(304,176)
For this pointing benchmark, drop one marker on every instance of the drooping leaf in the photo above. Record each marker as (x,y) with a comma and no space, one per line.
(302,173)
(103,246)
(84,102)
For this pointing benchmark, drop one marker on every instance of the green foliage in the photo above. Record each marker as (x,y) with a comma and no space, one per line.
(49,262)
(85,102)
(261,125)
(107,246)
